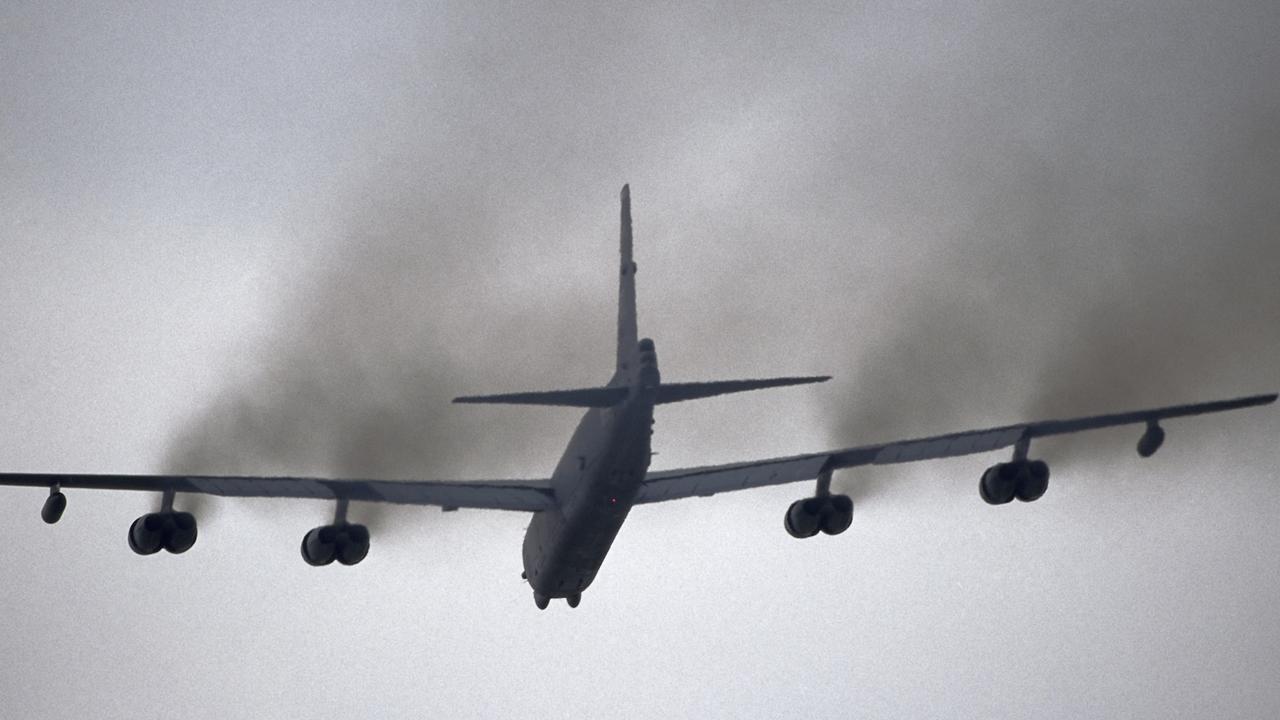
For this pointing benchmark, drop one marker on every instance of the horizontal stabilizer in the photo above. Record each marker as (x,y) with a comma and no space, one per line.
(675,392)
(586,397)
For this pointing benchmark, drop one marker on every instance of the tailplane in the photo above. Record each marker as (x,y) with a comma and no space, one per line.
(585,397)
(676,392)
(609,396)
(637,361)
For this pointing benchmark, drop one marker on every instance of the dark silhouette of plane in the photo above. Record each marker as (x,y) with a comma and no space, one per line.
(604,471)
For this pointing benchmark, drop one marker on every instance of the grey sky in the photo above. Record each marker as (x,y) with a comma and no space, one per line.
(279,238)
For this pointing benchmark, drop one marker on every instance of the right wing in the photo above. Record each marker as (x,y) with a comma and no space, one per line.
(528,495)
(712,479)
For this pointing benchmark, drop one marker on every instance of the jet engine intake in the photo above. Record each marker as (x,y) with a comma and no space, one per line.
(1026,480)
(346,543)
(53,507)
(831,514)
(1151,440)
(172,531)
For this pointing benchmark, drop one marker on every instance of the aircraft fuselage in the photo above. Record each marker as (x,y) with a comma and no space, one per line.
(595,483)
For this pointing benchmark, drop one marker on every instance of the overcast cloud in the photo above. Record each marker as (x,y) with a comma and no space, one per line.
(279,239)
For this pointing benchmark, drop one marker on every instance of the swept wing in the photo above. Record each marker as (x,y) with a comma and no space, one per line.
(712,479)
(529,495)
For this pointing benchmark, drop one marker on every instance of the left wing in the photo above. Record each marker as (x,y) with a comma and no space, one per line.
(712,479)
(528,495)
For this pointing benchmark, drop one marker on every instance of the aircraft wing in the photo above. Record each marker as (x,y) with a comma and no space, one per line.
(528,495)
(712,479)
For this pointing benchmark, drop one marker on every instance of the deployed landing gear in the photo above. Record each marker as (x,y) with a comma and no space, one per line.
(832,515)
(542,601)
(167,530)
(574,599)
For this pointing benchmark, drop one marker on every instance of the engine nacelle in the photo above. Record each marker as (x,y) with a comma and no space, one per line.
(1151,440)
(53,508)
(838,515)
(318,547)
(803,517)
(1026,480)
(348,544)
(831,514)
(172,531)
(999,483)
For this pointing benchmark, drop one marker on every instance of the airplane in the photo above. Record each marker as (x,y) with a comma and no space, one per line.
(604,471)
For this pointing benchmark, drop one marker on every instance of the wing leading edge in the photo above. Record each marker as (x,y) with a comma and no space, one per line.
(526,495)
(712,479)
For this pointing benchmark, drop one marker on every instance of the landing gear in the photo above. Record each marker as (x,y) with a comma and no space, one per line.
(542,601)
(574,599)
(168,530)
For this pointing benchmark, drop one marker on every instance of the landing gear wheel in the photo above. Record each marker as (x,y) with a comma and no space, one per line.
(542,601)
(574,599)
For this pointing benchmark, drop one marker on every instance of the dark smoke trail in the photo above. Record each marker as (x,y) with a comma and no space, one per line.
(357,378)
(1083,293)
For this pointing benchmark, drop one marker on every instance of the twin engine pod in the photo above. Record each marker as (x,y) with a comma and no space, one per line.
(831,514)
(346,543)
(169,530)
(1026,480)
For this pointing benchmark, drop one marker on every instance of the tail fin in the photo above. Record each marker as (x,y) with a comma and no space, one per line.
(627,334)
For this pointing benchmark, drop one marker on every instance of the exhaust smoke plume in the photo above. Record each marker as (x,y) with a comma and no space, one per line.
(357,378)
(1079,292)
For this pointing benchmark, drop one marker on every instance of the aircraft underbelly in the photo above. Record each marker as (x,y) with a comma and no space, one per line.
(565,546)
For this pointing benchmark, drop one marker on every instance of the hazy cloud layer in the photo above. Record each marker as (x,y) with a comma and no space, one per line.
(272,240)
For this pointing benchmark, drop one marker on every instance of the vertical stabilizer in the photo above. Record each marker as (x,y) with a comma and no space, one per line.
(627,337)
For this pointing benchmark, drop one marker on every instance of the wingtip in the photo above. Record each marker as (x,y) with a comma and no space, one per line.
(626,192)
